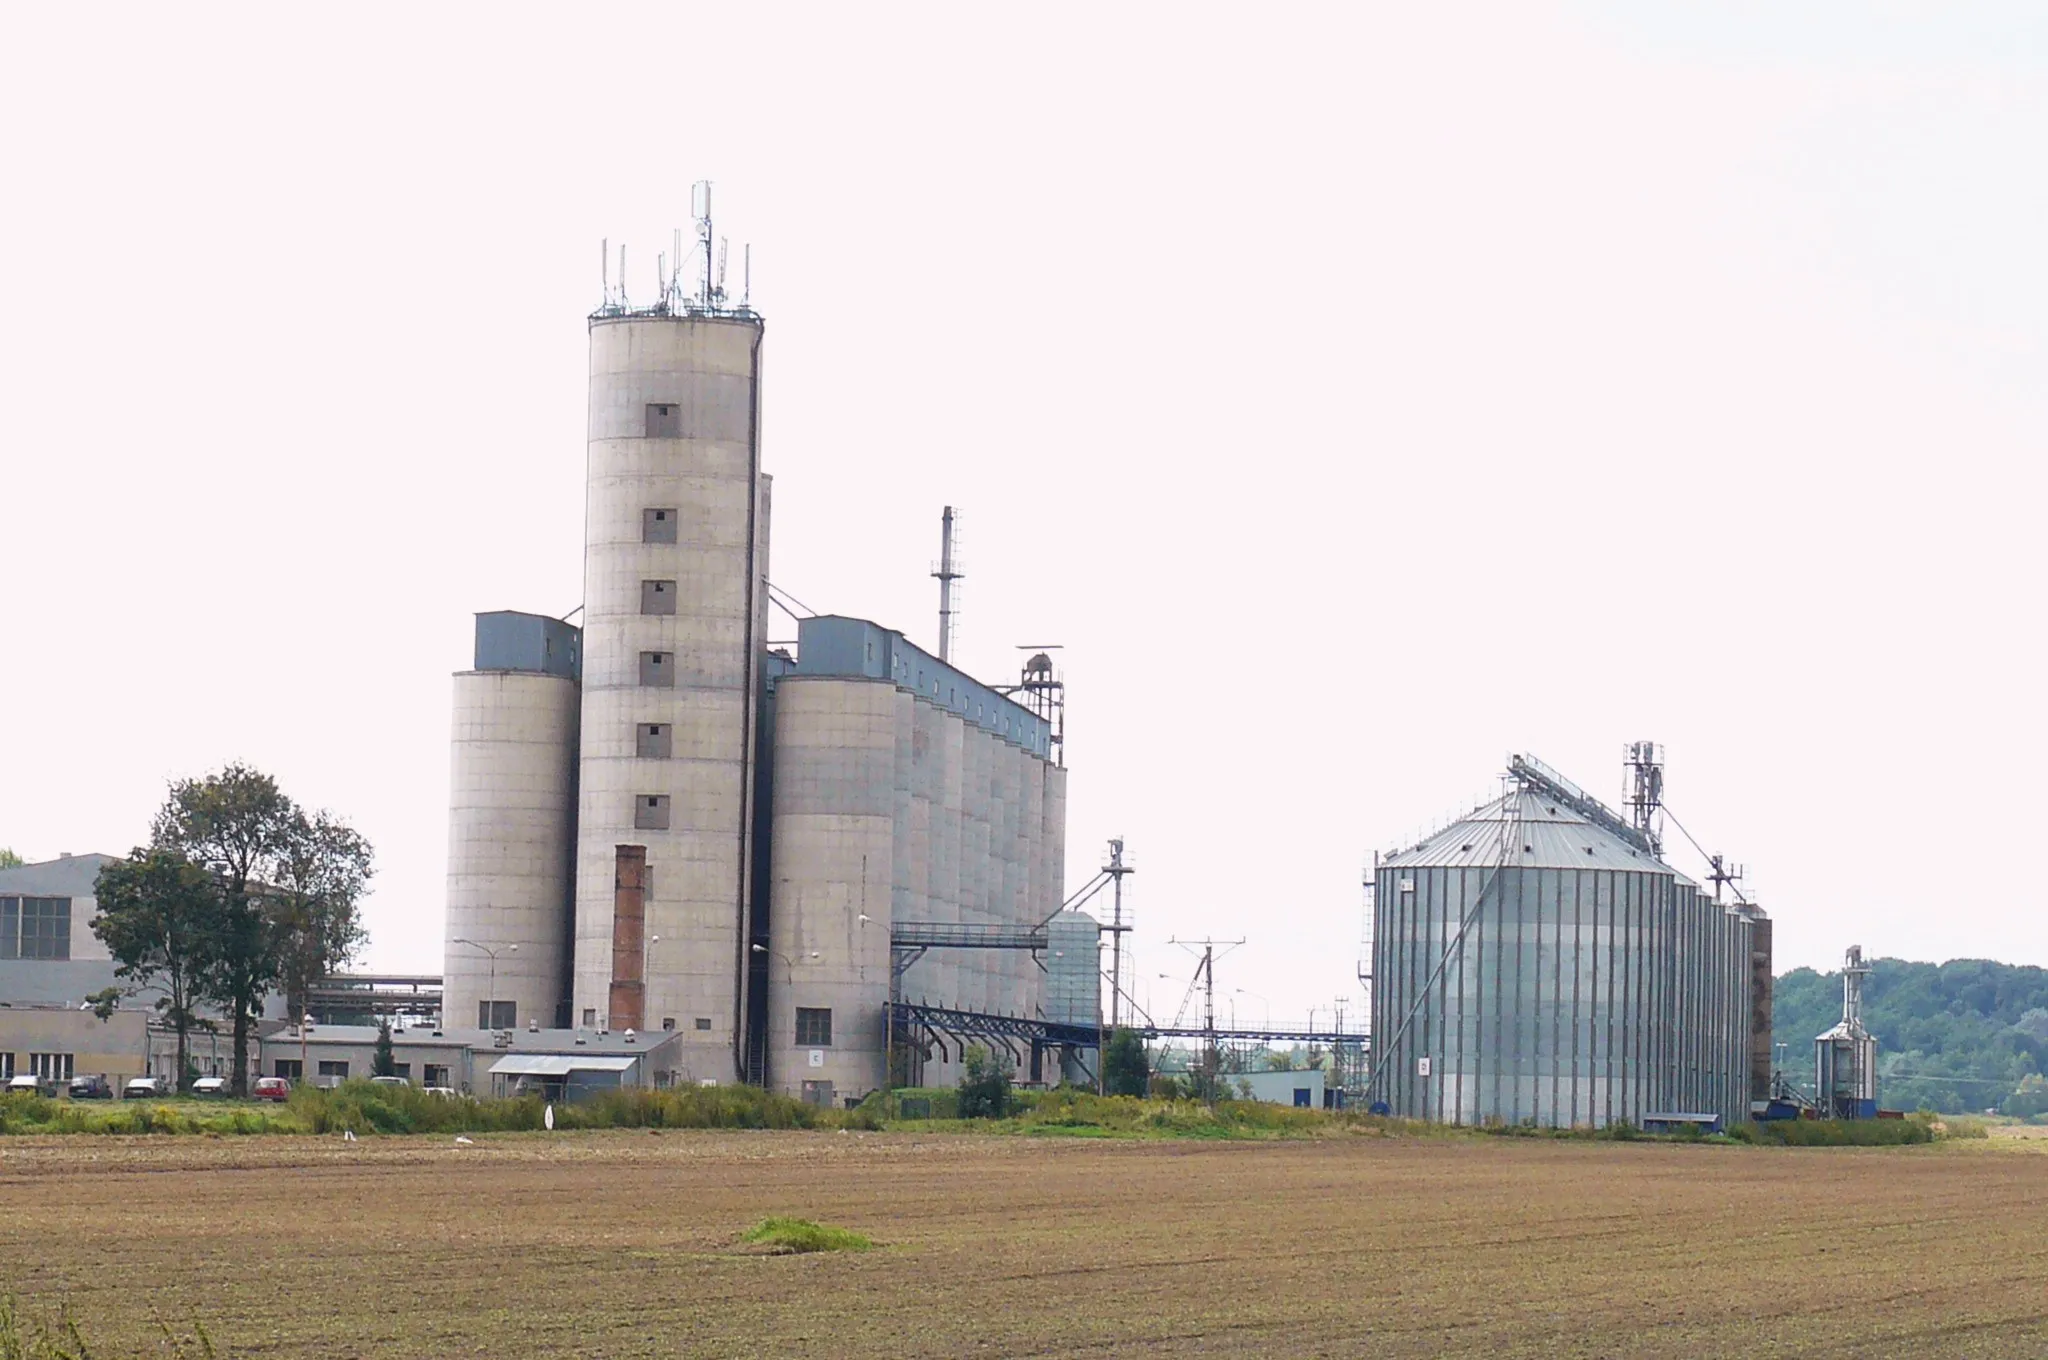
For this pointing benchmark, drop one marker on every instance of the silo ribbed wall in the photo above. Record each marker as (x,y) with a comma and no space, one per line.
(1556,996)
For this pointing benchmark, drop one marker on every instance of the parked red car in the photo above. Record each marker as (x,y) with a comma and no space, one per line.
(271,1088)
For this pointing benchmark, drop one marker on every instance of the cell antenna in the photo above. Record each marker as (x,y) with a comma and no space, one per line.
(700,208)
(604,267)
(1645,761)
(746,274)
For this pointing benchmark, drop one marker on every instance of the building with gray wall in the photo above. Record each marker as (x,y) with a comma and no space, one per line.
(659,825)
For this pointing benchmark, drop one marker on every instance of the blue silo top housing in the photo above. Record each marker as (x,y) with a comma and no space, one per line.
(507,640)
(831,644)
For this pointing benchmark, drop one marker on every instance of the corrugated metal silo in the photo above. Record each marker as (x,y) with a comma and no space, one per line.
(1536,962)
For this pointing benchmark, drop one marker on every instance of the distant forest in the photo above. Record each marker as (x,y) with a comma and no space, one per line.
(1966,1035)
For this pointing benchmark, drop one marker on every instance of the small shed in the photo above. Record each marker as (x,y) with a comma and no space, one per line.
(562,1076)
(1671,1121)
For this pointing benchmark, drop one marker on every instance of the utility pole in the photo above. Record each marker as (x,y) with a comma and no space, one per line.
(1117,871)
(1205,973)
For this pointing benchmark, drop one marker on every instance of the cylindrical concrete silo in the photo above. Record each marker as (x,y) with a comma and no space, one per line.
(831,861)
(511,839)
(674,560)
(1533,962)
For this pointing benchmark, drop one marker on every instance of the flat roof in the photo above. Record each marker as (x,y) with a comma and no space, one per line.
(557,1064)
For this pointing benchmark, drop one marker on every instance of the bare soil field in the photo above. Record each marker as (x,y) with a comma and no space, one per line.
(624,1244)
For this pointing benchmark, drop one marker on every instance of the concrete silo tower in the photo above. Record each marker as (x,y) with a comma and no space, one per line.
(674,602)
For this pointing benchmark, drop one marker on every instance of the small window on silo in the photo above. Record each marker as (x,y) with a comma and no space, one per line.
(657,597)
(664,420)
(668,1023)
(658,668)
(813,1027)
(658,525)
(650,812)
(703,1022)
(655,742)
(590,1017)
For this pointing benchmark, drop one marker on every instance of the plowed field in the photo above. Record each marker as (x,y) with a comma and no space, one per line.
(622,1244)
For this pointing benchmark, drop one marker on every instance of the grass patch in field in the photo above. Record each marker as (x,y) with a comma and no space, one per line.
(362,1107)
(797,1235)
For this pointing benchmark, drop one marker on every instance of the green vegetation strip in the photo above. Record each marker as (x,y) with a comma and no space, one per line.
(793,1235)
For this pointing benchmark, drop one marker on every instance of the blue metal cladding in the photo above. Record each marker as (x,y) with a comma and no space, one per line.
(1573,996)
(507,640)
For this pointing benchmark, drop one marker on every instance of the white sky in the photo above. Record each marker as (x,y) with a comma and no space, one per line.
(1359,394)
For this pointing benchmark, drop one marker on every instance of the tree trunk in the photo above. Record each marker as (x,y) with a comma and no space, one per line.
(240,1084)
(184,1062)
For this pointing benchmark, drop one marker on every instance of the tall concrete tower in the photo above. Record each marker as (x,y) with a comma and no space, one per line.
(674,614)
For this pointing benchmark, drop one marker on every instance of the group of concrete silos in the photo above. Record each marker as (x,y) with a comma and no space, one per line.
(603,817)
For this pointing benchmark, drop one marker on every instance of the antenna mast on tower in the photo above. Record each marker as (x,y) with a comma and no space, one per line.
(700,208)
(1117,927)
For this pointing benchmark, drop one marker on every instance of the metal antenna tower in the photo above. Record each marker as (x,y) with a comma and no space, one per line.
(1645,761)
(1117,926)
(948,571)
(1723,874)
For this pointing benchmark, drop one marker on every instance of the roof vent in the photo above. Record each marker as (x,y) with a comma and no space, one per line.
(580,1039)
(1528,849)
(532,1026)
(1465,848)
(629,1036)
(1589,849)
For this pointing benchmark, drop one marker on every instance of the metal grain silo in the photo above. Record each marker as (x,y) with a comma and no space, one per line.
(1535,961)
(674,559)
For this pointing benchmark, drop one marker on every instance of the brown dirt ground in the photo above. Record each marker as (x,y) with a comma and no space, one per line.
(621,1244)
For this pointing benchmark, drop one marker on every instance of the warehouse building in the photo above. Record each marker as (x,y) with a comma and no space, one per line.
(659,824)
(1537,961)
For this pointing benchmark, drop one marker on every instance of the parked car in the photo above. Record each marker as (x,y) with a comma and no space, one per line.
(142,1088)
(271,1088)
(210,1086)
(91,1088)
(25,1083)
(390,1081)
(448,1092)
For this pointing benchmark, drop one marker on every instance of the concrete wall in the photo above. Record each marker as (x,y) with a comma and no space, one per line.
(69,876)
(707,472)
(953,822)
(116,1048)
(511,838)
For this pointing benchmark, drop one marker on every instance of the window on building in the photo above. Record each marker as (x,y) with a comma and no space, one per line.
(35,927)
(497,1015)
(658,526)
(657,597)
(590,1017)
(703,1022)
(655,741)
(664,420)
(650,812)
(668,1023)
(813,1027)
(334,1068)
(658,668)
(289,1068)
(6,1066)
(50,1066)
(434,1074)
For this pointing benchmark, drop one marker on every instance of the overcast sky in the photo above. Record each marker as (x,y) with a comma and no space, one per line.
(1359,394)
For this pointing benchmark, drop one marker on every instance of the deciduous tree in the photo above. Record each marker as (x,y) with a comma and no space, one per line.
(159,915)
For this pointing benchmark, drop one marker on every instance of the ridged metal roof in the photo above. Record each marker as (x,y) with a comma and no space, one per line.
(1548,832)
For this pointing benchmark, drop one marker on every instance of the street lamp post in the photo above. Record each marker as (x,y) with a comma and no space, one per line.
(491,995)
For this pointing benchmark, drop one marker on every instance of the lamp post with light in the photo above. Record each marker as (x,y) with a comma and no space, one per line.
(491,996)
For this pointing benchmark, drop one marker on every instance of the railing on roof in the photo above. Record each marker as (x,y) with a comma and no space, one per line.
(1534,773)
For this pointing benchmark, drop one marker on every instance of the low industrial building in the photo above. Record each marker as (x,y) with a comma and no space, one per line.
(563,1064)
(50,962)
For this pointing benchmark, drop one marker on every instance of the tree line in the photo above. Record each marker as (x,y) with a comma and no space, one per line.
(239,894)
(1969,1034)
